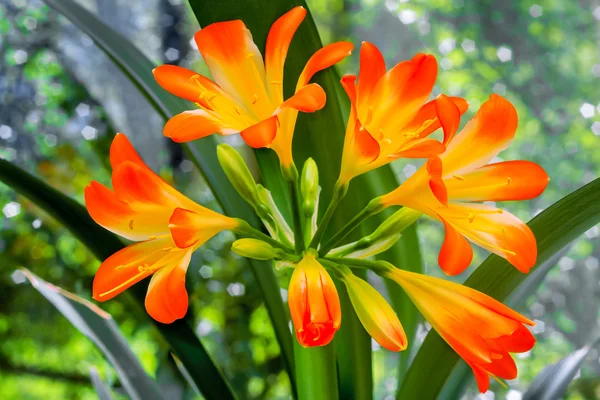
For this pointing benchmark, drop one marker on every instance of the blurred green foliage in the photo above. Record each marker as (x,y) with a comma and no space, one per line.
(543,55)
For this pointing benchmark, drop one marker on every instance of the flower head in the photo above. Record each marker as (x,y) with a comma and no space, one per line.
(451,185)
(168,227)
(389,117)
(314,303)
(481,330)
(246,96)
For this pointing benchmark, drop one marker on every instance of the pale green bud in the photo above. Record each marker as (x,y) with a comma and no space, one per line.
(255,249)
(238,173)
(275,223)
(309,187)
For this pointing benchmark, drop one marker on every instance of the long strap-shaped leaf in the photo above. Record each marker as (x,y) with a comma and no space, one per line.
(71,214)
(554,229)
(202,153)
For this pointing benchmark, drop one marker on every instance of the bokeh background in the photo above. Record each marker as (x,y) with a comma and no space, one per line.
(62,100)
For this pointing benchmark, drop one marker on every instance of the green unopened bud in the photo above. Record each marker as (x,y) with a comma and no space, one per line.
(309,186)
(275,223)
(238,173)
(255,249)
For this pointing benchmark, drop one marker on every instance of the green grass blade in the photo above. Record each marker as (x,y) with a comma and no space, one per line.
(102,390)
(201,152)
(99,327)
(554,228)
(102,244)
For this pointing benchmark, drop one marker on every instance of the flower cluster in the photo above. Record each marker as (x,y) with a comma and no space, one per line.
(391,117)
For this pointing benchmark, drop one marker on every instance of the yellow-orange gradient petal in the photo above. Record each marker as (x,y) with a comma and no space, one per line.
(488,133)
(426,121)
(196,124)
(449,116)
(509,180)
(323,58)
(194,228)
(436,183)
(167,299)
(236,64)
(130,265)
(309,98)
(261,134)
(421,148)
(372,68)
(456,252)
(349,85)
(278,42)
(121,150)
(184,83)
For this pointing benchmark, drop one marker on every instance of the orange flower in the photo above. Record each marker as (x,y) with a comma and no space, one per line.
(389,117)
(314,303)
(248,94)
(481,330)
(168,226)
(447,187)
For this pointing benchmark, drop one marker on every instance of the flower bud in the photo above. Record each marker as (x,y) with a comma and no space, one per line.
(309,186)
(254,248)
(314,303)
(238,173)
(374,312)
(275,223)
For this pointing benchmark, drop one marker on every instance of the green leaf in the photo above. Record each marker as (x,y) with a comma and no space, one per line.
(102,244)
(202,152)
(554,229)
(102,390)
(554,379)
(101,329)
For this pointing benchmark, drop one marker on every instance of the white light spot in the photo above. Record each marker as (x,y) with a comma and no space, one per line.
(539,327)
(18,277)
(587,110)
(12,209)
(284,294)
(5,132)
(20,56)
(535,11)
(504,54)
(596,70)
(30,23)
(566,263)
(51,140)
(172,54)
(186,166)
(499,88)
(206,272)
(82,110)
(409,170)
(424,27)
(596,13)
(468,45)
(596,128)
(408,16)
(592,263)
(89,133)
(514,395)
(236,289)
(37,223)
(391,5)
(193,44)
(446,63)
(592,232)
(447,45)
(204,328)
(374,345)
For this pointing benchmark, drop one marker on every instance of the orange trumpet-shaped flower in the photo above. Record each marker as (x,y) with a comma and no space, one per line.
(247,95)
(314,303)
(450,185)
(389,117)
(168,227)
(481,330)
(374,312)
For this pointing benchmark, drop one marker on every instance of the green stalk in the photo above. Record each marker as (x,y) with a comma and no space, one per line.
(316,373)
(245,229)
(339,191)
(291,176)
(375,206)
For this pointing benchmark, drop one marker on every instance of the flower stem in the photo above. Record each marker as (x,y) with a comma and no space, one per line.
(245,229)
(339,191)
(316,372)
(375,206)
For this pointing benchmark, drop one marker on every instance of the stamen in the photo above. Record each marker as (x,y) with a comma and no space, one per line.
(145,268)
(152,237)
(194,78)
(500,381)
(381,135)
(237,110)
(362,128)
(124,284)
(387,140)
(120,267)
(249,55)
(254,98)
(459,177)
(508,181)
(131,224)
(167,248)
(471,217)
(275,82)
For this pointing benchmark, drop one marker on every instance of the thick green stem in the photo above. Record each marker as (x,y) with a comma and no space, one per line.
(291,176)
(339,191)
(316,373)
(375,206)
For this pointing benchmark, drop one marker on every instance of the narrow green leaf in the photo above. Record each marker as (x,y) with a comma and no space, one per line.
(102,390)
(101,329)
(202,152)
(554,229)
(102,244)
(554,379)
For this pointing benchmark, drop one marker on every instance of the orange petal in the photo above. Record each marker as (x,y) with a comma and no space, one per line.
(400,93)
(167,299)
(261,134)
(195,124)
(235,63)
(128,266)
(121,150)
(184,83)
(503,367)
(509,180)
(426,121)
(141,188)
(456,252)
(368,148)
(115,215)
(194,228)
(309,98)
(324,58)
(278,42)
(519,341)
(436,183)
(372,68)
(349,85)
(421,148)
(448,114)
(487,134)
(481,376)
